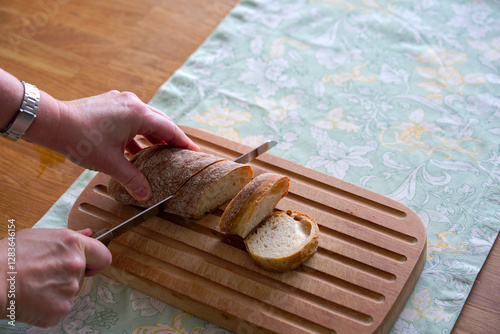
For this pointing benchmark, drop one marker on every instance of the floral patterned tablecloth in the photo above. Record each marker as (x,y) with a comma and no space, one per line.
(399,97)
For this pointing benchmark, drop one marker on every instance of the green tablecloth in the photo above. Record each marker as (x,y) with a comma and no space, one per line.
(399,97)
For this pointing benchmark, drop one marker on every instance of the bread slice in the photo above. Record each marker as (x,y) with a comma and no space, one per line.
(283,241)
(167,168)
(209,189)
(253,203)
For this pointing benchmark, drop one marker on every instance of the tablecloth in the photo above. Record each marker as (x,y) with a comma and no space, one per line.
(399,97)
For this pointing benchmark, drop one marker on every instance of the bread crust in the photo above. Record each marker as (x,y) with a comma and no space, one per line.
(190,200)
(290,261)
(167,168)
(237,218)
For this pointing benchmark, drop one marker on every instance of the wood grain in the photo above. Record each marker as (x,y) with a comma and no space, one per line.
(481,312)
(371,253)
(74,49)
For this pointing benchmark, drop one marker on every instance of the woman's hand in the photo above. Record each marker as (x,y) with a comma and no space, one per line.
(93,133)
(50,267)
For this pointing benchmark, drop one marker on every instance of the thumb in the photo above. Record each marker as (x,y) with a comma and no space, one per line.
(132,179)
(97,256)
(86,232)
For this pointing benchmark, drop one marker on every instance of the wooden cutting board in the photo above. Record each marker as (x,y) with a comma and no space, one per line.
(371,253)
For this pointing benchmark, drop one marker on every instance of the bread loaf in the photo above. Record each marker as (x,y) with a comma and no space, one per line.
(169,171)
(283,241)
(209,189)
(253,203)
(277,241)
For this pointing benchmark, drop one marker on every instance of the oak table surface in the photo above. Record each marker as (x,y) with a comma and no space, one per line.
(77,49)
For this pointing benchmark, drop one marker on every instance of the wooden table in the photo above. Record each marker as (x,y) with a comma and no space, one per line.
(76,49)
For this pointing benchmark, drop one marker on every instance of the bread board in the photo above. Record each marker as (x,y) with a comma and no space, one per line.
(371,252)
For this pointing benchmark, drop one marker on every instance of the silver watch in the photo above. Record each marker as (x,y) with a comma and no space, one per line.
(26,114)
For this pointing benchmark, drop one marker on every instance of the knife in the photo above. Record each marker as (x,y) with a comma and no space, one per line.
(106,235)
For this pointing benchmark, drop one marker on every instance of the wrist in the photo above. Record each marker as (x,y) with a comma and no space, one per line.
(45,126)
(23,118)
(42,128)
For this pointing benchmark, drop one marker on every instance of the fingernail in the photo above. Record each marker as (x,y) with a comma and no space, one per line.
(194,147)
(87,232)
(141,193)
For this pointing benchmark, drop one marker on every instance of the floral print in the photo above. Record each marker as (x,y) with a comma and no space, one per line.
(268,76)
(477,19)
(399,97)
(336,156)
(334,120)
(218,116)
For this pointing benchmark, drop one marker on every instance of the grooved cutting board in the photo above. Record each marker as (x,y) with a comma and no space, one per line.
(371,253)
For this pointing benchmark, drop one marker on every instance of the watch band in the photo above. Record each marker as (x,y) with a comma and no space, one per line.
(26,114)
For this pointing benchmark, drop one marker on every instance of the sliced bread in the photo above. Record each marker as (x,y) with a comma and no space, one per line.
(283,241)
(167,168)
(253,203)
(209,189)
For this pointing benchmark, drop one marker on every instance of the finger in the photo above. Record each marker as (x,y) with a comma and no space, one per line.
(165,129)
(86,232)
(97,256)
(134,181)
(133,147)
(158,111)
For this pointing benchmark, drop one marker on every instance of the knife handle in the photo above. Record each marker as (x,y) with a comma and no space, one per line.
(106,240)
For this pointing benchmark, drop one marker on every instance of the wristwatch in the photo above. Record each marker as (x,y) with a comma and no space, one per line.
(26,114)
